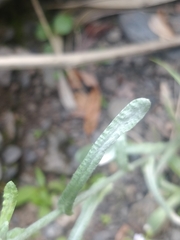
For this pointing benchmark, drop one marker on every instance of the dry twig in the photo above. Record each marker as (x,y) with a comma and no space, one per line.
(113,4)
(81,58)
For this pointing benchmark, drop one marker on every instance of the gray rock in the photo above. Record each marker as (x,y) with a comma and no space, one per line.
(30,156)
(10,172)
(135,27)
(46,124)
(52,231)
(56,162)
(11,154)
(5,78)
(25,78)
(173,54)
(110,83)
(105,235)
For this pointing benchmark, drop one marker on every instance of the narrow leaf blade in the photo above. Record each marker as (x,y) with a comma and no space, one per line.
(123,122)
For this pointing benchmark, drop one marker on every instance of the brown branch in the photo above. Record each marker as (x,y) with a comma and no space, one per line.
(107,4)
(81,58)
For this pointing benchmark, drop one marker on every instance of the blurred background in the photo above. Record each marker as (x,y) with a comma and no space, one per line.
(48,113)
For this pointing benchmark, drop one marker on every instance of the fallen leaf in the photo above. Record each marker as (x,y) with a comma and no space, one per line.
(74,80)
(123,232)
(159,25)
(88,79)
(81,100)
(93,102)
(95,29)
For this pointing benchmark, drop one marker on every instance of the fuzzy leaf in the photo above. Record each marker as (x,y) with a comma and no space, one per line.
(10,198)
(123,122)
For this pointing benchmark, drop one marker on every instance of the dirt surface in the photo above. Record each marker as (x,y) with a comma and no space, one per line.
(37,130)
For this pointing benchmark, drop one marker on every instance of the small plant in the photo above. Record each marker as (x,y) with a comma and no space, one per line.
(105,219)
(70,197)
(41,194)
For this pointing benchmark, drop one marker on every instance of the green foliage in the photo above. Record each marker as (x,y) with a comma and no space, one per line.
(62,24)
(92,197)
(38,195)
(40,34)
(105,219)
(38,133)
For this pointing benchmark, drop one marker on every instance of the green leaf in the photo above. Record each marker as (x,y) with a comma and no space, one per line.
(40,34)
(121,155)
(63,24)
(123,122)
(15,232)
(168,68)
(174,164)
(40,177)
(4,230)
(86,214)
(157,218)
(43,211)
(151,181)
(26,194)
(10,198)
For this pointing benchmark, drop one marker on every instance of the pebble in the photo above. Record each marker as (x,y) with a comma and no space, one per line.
(56,162)
(10,172)
(135,27)
(52,231)
(5,78)
(11,154)
(110,83)
(105,235)
(30,156)
(25,78)
(173,54)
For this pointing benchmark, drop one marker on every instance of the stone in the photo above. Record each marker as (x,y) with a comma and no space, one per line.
(11,154)
(10,172)
(56,162)
(5,78)
(52,231)
(30,156)
(25,78)
(135,27)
